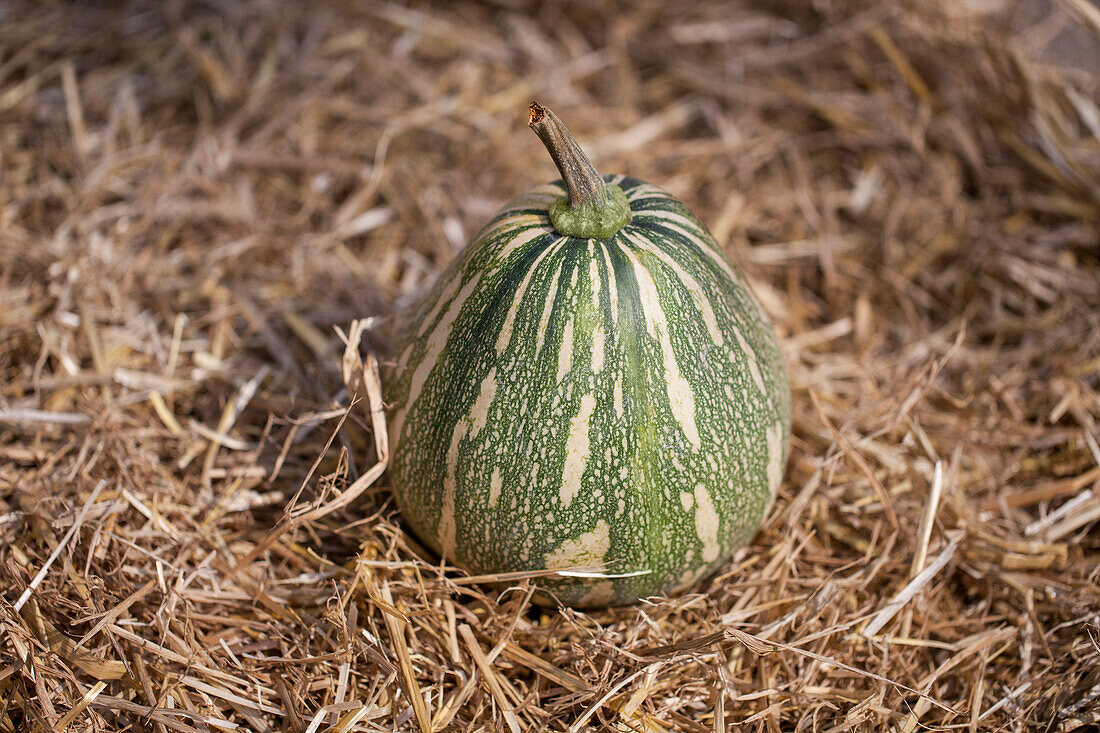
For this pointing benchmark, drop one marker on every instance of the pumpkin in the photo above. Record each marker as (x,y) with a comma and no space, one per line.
(589,387)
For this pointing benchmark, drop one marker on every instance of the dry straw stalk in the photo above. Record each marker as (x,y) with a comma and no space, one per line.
(195,531)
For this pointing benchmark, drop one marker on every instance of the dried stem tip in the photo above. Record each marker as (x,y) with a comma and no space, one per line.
(594,209)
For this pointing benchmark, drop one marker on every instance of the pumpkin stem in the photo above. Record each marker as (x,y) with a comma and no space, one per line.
(594,209)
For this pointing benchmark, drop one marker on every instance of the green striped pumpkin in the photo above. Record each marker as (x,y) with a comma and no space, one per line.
(617,404)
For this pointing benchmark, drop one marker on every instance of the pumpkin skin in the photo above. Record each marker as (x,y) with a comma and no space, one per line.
(561,402)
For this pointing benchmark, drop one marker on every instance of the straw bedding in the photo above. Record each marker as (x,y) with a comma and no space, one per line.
(200,202)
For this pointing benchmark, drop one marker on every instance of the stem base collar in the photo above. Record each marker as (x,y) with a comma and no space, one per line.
(591,222)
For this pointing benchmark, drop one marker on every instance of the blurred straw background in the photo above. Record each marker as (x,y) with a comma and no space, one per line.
(194,197)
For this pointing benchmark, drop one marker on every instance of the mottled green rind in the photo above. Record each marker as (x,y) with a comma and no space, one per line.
(591,222)
(527,329)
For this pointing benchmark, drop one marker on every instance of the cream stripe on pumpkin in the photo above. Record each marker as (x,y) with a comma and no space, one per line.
(447,529)
(646,191)
(681,398)
(690,229)
(690,283)
(445,297)
(479,412)
(518,241)
(495,230)
(585,550)
(577,448)
(551,296)
(750,359)
(438,339)
(612,285)
(706,523)
(505,336)
(597,329)
(565,351)
(496,483)
(749,352)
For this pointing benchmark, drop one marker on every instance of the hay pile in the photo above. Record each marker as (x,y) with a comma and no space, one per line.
(194,196)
